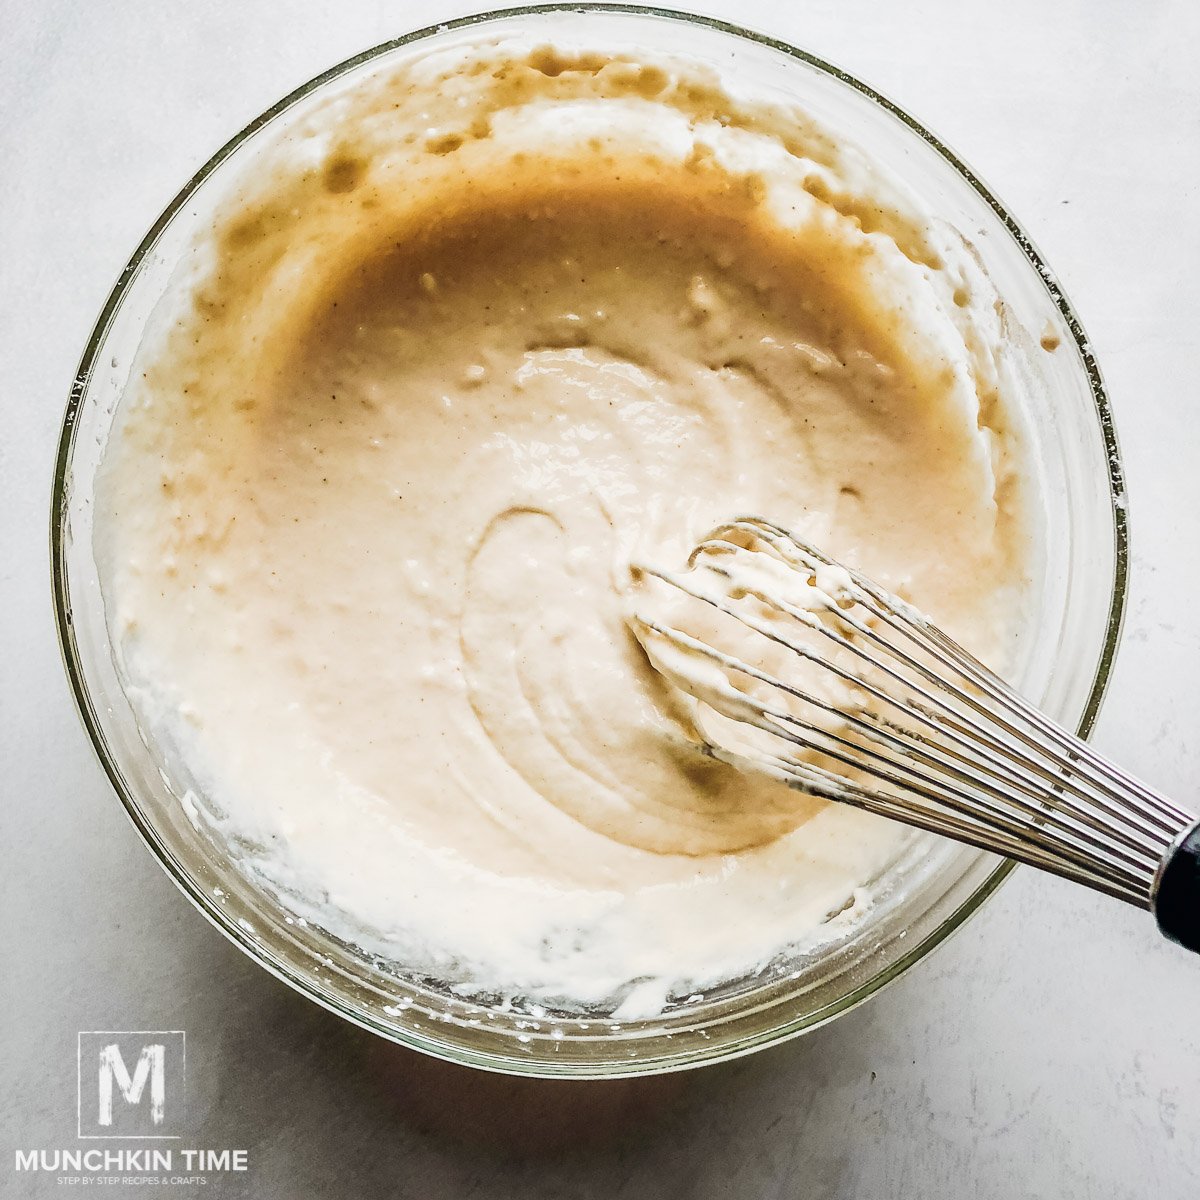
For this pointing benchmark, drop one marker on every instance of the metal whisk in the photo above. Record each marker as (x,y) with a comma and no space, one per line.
(913,727)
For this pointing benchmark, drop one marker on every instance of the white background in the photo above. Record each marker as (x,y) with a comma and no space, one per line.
(1051,1049)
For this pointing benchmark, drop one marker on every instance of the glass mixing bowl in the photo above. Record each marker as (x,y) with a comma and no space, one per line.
(1064,666)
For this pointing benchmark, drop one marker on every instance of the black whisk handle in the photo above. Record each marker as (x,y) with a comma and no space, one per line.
(1176,894)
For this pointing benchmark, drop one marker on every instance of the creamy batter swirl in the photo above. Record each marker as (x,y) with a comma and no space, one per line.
(471,335)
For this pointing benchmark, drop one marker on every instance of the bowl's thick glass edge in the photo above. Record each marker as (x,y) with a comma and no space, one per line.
(224,923)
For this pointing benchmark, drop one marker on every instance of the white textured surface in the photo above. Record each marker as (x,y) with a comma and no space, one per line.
(1051,1049)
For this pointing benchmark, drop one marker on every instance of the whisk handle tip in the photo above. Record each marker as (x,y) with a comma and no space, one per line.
(1176,895)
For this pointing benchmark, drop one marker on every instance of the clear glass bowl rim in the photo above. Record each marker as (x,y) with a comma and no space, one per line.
(59,533)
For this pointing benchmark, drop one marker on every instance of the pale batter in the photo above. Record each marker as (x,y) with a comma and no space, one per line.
(470,336)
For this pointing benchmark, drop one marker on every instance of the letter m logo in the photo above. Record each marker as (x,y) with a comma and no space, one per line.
(131,1083)
(151,1065)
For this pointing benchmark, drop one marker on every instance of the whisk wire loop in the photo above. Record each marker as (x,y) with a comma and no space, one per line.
(921,731)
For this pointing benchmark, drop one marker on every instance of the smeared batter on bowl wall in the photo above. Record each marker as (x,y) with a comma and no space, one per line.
(468,337)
